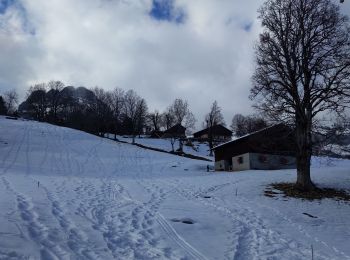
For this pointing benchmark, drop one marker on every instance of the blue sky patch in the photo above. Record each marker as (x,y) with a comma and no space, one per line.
(165,10)
(21,11)
(4,4)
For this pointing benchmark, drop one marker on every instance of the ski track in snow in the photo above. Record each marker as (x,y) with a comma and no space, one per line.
(77,240)
(114,226)
(139,241)
(252,239)
(298,227)
(36,230)
(79,201)
(120,241)
(14,151)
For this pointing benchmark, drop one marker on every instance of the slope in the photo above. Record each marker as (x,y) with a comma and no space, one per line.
(65,194)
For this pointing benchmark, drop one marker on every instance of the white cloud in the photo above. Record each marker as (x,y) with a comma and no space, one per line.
(116,43)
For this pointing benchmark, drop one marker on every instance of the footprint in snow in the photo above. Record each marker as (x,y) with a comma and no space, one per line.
(187,221)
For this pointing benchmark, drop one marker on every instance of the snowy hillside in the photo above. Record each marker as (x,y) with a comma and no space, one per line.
(65,194)
(198,149)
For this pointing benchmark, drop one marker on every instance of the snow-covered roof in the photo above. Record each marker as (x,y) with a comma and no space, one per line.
(216,129)
(245,136)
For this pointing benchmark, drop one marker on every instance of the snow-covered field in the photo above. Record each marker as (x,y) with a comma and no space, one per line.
(65,194)
(198,149)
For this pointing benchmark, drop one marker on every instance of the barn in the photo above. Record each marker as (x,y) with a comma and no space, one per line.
(176,131)
(267,149)
(219,133)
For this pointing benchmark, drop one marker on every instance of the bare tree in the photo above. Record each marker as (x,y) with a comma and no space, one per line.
(117,107)
(101,110)
(213,118)
(189,122)
(179,109)
(242,125)
(238,125)
(332,139)
(55,98)
(37,100)
(155,119)
(168,119)
(135,110)
(141,117)
(303,68)
(11,100)
(180,113)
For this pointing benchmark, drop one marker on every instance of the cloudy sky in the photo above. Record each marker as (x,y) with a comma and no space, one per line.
(199,50)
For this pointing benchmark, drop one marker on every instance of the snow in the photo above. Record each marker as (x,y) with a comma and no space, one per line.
(65,194)
(342,150)
(234,139)
(198,149)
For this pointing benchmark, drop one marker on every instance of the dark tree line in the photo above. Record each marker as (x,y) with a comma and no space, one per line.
(92,110)
(99,111)
(119,112)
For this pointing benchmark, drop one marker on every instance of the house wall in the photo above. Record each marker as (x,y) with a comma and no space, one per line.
(256,161)
(215,137)
(245,165)
(222,165)
(261,161)
(221,138)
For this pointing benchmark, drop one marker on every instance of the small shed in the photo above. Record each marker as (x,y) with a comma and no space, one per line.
(270,148)
(156,134)
(176,131)
(219,133)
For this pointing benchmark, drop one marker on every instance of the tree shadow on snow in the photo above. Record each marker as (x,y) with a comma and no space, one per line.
(289,190)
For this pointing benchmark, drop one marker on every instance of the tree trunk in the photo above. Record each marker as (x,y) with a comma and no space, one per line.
(55,114)
(133,132)
(210,137)
(180,146)
(304,151)
(304,182)
(172,141)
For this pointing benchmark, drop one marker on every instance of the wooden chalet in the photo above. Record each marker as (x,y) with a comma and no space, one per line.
(270,148)
(219,133)
(156,134)
(176,131)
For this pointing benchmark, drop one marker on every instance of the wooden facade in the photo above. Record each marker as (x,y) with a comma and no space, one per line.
(177,131)
(270,148)
(219,133)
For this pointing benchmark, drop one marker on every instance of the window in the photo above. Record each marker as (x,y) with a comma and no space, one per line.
(240,160)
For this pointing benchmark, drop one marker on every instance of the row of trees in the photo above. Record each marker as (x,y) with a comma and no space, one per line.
(177,113)
(99,111)
(93,110)
(118,111)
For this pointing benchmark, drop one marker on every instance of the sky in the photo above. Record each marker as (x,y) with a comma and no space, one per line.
(198,50)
